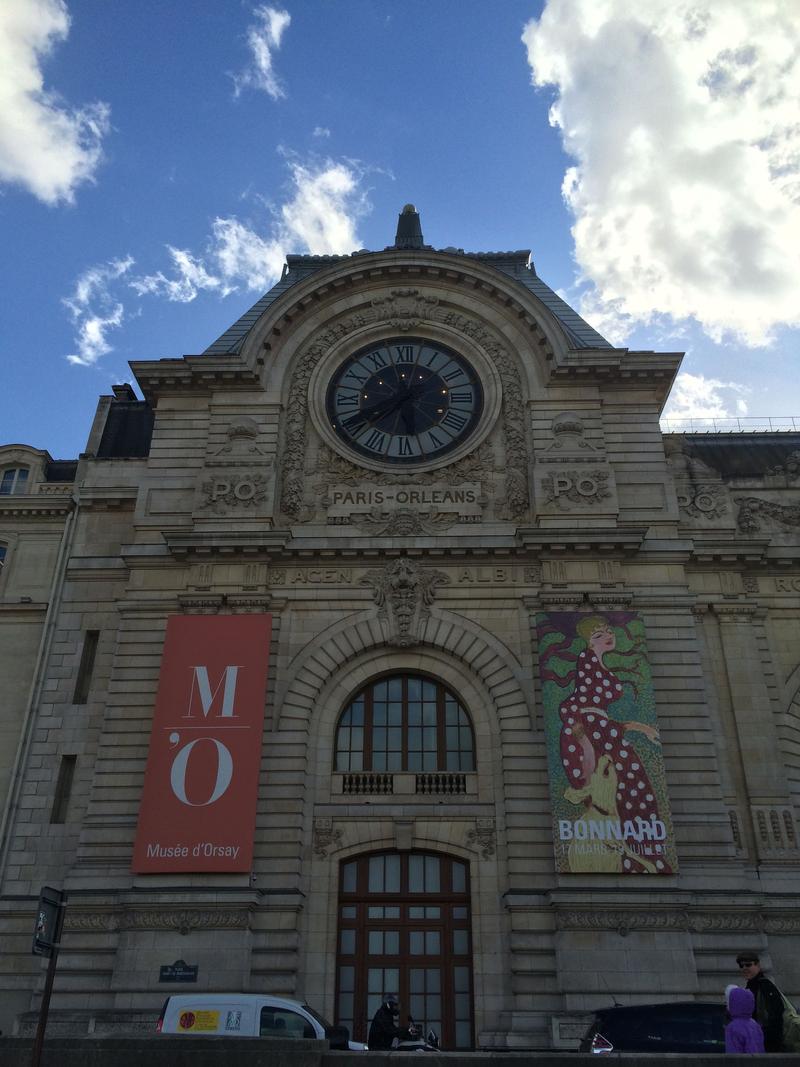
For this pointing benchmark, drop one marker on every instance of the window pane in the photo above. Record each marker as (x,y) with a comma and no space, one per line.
(376,877)
(393,874)
(462,1035)
(429,714)
(459,912)
(432,942)
(395,689)
(348,942)
(349,877)
(428,691)
(414,715)
(461,979)
(349,911)
(392,913)
(431,874)
(460,942)
(416,882)
(347,979)
(395,714)
(416,943)
(375,943)
(414,688)
(391,942)
(432,913)
(379,691)
(459,878)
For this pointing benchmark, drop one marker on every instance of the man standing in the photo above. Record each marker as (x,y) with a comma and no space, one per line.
(769,1002)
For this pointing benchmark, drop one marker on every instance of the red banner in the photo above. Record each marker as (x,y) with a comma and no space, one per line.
(198,805)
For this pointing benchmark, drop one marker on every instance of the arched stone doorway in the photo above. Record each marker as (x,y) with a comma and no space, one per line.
(404,926)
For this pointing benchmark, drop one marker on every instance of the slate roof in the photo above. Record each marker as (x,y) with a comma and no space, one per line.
(517,265)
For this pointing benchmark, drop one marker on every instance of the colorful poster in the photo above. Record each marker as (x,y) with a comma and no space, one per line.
(198,805)
(607,785)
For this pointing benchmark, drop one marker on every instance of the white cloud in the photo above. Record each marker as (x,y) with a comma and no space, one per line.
(694,396)
(262,39)
(321,131)
(684,121)
(94,310)
(319,217)
(45,146)
(245,257)
(190,278)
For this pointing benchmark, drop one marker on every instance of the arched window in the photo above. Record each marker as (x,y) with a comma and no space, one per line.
(405,722)
(14,480)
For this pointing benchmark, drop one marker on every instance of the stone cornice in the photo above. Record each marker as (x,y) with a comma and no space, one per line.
(723,550)
(192,373)
(627,540)
(35,507)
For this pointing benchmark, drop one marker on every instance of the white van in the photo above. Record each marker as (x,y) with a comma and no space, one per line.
(250,1015)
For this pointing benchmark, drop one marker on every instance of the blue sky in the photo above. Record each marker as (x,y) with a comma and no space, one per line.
(158,160)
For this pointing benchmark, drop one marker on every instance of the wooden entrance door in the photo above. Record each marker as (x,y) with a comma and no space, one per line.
(404,928)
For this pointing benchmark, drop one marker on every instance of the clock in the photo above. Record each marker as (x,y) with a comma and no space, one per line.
(404,401)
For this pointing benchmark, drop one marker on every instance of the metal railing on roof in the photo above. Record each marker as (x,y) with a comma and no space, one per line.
(749,424)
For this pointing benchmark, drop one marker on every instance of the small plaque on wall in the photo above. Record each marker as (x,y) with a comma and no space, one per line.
(179,971)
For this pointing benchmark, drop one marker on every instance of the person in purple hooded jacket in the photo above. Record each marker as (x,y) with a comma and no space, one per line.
(742,1034)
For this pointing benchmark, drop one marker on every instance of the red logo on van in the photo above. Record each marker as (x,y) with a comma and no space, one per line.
(186,1021)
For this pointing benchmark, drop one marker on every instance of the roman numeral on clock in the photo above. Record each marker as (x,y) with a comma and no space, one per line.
(375,441)
(454,421)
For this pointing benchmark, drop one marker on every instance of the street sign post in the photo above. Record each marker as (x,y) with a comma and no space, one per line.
(46,942)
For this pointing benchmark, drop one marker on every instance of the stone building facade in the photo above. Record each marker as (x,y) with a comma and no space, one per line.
(406,555)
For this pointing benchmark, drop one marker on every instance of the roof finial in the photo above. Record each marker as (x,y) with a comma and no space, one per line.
(409,229)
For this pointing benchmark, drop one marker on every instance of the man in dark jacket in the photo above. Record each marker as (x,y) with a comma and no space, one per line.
(384,1029)
(769,1002)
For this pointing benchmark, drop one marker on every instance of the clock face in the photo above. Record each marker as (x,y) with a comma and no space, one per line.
(404,400)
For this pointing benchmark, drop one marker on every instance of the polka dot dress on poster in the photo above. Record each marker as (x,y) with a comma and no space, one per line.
(588,733)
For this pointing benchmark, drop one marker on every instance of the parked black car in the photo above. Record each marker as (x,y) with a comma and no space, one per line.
(681,1026)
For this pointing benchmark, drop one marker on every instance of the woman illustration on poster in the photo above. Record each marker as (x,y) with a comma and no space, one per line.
(604,770)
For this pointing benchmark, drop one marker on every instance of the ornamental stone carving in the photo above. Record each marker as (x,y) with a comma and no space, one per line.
(402,522)
(294,449)
(753,511)
(404,309)
(240,491)
(707,500)
(186,919)
(569,443)
(240,445)
(583,487)
(483,836)
(403,593)
(325,836)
